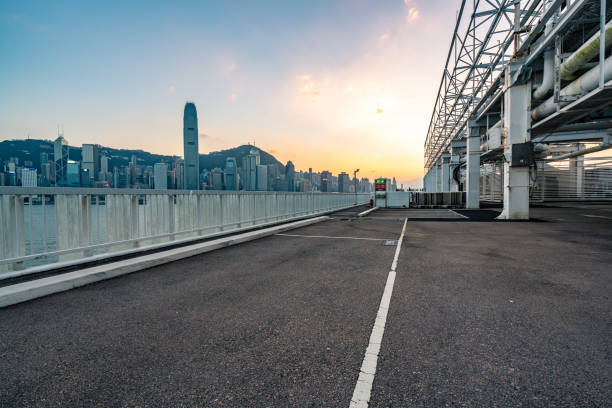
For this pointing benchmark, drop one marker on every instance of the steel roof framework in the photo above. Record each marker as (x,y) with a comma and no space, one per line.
(482,45)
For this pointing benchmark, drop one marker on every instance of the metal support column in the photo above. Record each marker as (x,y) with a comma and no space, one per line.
(446,176)
(438,170)
(454,163)
(517,120)
(472,173)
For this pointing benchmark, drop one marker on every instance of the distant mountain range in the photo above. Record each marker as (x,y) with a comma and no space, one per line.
(31,149)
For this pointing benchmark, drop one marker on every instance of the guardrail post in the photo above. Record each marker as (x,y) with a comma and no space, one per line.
(12,224)
(111,230)
(222,212)
(199,213)
(134,218)
(85,222)
(239,210)
(171,223)
(68,220)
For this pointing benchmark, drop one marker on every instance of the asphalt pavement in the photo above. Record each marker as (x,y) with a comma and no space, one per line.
(482,314)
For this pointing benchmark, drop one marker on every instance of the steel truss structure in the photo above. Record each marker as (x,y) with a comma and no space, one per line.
(482,45)
(525,83)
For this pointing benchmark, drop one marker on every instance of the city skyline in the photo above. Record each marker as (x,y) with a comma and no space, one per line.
(30,163)
(281,75)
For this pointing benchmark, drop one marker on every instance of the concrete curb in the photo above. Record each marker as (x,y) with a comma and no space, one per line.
(366,212)
(22,292)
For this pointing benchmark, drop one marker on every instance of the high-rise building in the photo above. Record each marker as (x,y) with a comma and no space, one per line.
(12,174)
(44,157)
(231,174)
(104,163)
(73,173)
(90,158)
(86,178)
(273,176)
(132,175)
(179,167)
(103,174)
(190,147)
(116,177)
(250,163)
(305,186)
(344,183)
(60,156)
(45,174)
(290,175)
(216,179)
(29,177)
(326,181)
(262,178)
(365,186)
(160,176)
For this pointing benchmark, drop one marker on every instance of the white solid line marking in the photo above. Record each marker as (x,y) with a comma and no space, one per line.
(366,212)
(325,236)
(461,215)
(363,388)
(596,216)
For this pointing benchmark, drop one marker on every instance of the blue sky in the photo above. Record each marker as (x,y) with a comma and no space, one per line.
(328,84)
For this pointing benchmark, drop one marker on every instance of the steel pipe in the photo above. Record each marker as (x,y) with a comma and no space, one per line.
(582,85)
(585,53)
(548,77)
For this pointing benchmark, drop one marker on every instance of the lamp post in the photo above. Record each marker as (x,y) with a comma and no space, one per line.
(355,182)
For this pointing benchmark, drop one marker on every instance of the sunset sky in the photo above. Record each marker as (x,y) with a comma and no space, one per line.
(332,85)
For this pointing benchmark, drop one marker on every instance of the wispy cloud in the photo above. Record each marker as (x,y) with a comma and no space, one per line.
(306,86)
(171,89)
(232,66)
(413,15)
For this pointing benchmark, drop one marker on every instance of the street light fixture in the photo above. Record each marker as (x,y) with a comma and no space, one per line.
(355,182)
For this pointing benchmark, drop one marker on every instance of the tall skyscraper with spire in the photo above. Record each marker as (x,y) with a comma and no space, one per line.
(60,156)
(190,147)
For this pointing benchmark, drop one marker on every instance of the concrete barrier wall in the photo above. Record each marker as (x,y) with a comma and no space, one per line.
(42,225)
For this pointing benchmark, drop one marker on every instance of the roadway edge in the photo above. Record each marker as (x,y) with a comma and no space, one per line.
(22,292)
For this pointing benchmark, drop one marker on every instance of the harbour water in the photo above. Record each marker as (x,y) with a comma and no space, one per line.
(40,230)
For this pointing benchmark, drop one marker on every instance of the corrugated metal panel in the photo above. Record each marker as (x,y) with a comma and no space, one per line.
(581,178)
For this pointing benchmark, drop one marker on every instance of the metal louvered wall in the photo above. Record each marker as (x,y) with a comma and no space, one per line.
(578,179)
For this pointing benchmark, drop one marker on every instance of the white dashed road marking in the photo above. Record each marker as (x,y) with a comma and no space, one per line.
(363,388)
(325,236)
(596,216)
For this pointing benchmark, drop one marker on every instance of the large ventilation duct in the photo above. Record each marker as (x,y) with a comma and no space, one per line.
(584,84)
(548,77)
(546,86)
(584,54)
